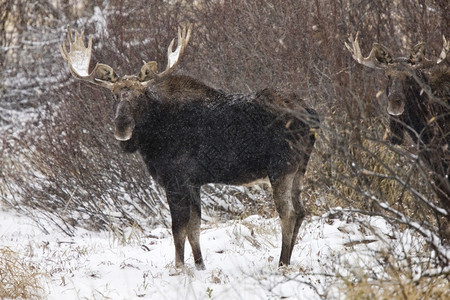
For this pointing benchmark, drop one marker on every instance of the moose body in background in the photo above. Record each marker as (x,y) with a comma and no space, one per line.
(190,134)
(418,101)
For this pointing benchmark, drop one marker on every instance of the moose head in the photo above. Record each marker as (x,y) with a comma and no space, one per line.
(401,72)
(128,88)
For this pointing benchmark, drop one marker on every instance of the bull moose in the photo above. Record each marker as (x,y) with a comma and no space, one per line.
(190,134)
(418,102)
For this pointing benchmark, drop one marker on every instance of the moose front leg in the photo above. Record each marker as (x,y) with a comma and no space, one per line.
(185,210)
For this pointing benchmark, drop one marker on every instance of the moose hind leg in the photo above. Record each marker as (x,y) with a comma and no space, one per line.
(180,214)
(298,204)
(282,195)
(194,230)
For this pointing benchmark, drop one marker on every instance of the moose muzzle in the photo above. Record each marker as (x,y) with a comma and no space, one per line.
(395,105)
(124,121)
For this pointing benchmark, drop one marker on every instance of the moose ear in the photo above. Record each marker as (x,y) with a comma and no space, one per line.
(382,54)
(148,71)
(417,53)
(105,73)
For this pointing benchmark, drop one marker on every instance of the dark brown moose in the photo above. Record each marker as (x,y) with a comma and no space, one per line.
(418,95)
(190,134)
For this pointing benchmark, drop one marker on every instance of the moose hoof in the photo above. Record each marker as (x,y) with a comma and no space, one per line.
(200,266)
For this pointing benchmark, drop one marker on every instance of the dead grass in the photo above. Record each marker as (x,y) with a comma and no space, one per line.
(393,275)
(400,286)
(19,279)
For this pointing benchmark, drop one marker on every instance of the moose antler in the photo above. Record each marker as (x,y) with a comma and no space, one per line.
(380,57)
(148,73)
(418,59)
(79,57)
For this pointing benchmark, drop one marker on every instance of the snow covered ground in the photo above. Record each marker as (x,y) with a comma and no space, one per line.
(241,257)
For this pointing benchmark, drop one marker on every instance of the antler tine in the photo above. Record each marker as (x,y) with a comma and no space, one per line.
(62,47)
(445,50)
(80,38)
(354,49)
(169,54)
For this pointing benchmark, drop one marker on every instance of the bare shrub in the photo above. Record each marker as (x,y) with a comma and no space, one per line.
(69,170)
(63,160)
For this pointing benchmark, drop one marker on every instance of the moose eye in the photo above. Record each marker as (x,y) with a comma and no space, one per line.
(115,102)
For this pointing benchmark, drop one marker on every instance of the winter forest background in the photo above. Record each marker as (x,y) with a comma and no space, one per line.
(59,161)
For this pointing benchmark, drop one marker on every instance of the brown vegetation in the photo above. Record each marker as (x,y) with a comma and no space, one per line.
(63,159)
(18,279)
